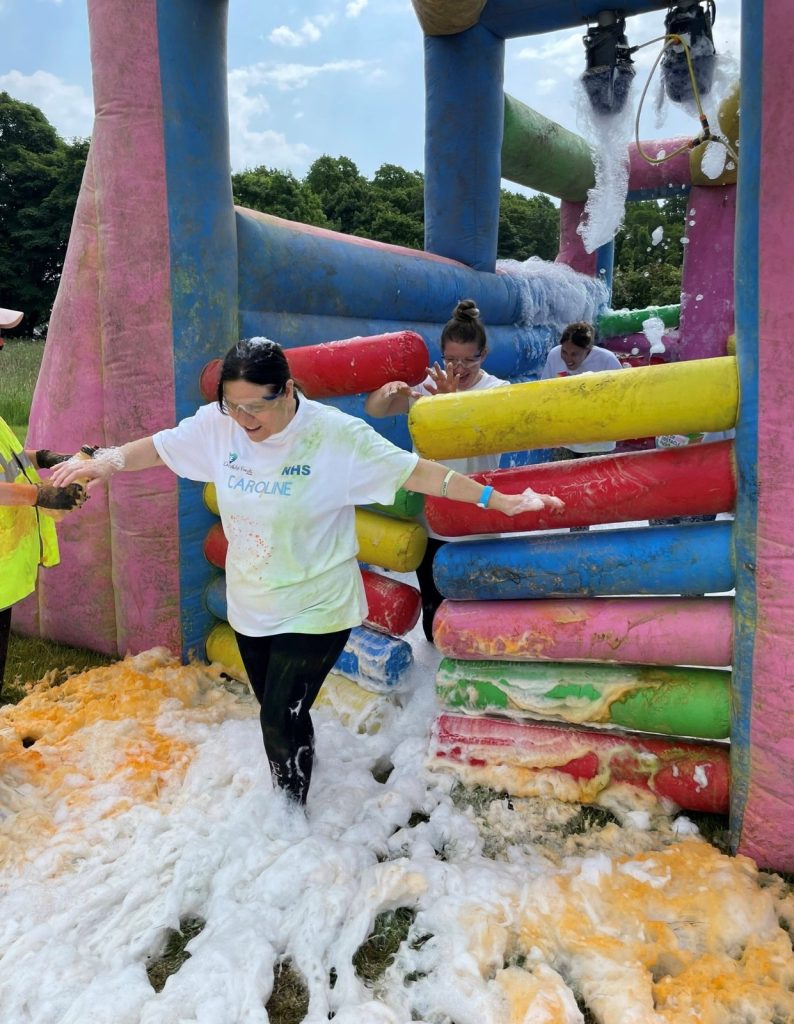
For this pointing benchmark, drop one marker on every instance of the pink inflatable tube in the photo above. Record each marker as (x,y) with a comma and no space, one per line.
(673,172)
(642,630)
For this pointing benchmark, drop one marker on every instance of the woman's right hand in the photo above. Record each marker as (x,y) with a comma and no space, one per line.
(399,387)
(101,466)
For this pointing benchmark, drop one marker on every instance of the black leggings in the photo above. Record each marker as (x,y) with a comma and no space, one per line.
(5,631)
(286,672)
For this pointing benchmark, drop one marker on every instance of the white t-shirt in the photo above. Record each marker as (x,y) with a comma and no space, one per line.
(476,463)
(287,508)
(596,360)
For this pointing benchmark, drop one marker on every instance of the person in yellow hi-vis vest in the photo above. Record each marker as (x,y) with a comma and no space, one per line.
(27,532)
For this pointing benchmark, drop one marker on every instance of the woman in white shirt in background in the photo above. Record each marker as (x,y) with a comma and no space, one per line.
(576,354)
(288,473)
(464,346)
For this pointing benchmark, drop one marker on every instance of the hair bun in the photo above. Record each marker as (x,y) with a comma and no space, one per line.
(466,309)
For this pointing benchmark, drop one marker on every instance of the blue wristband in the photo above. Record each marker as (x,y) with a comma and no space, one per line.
(485,497)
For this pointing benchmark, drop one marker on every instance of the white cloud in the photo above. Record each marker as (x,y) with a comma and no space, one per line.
(254,148)
(286,77)
(67,107)
(354,7)
(555,47)
(310,31)
(253,144)
(545,85)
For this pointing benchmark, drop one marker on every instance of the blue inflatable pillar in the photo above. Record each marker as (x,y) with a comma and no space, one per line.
(464,112)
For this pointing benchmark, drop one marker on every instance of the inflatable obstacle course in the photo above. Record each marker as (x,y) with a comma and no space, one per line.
(196,274)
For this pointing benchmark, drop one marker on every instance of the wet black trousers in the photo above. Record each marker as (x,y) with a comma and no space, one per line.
(5,632)
(286,672)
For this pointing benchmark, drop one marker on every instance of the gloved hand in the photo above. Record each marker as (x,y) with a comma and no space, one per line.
(46,459)
(61,498)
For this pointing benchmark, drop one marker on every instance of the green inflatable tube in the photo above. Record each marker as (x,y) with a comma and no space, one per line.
(674,701)
(541,154)
(406,505)
(616,323)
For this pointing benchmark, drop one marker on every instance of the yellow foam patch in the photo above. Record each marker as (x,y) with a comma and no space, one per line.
(685,934)
(100,728)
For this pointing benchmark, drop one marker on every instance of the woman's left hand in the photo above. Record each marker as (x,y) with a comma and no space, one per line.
(528,501)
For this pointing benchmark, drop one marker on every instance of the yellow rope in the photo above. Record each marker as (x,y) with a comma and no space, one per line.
(706,133)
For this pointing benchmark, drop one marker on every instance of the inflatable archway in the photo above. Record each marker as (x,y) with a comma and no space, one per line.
(157,283)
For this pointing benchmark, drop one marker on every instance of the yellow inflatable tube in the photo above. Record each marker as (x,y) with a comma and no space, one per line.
(393,544)
(211,498)
(677,398)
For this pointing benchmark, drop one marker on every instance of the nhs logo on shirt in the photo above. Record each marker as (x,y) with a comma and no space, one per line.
(299,470)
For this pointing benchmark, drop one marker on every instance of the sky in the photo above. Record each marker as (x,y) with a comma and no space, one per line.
(342,77)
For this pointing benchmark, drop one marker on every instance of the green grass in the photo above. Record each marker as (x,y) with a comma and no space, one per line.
(19,367)
(30,658)
(174,954)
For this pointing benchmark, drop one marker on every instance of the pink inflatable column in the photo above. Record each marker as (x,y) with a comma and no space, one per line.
(707,284)
(107,375)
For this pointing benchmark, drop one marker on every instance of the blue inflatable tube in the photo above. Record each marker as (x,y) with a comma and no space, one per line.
(375,661)
(215,597)
(312,271)
(513,19)
(658,560)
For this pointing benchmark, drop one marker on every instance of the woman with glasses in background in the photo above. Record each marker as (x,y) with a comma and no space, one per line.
(288,473)
(464,346)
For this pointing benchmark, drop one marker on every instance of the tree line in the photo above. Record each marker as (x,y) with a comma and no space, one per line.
(40,176)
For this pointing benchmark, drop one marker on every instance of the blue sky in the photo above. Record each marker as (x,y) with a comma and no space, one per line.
(343,77)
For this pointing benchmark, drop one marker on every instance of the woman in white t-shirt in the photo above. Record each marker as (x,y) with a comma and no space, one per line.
(578,353)
(464,346)
(288,473)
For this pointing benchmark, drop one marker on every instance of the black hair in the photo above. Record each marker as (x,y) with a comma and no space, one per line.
(257,361)
(465,326)
(581,333)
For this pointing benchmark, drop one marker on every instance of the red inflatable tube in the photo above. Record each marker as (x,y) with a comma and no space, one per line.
(347,367)
(208,380)
(695,480)
(216,546)
(695,776)
(394,607)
